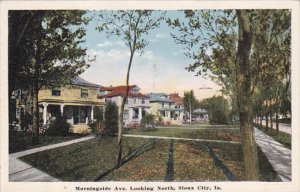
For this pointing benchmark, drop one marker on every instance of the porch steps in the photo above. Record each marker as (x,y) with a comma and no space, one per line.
(81,128)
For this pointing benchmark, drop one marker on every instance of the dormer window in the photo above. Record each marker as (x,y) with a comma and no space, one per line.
(56,92)
(135,90)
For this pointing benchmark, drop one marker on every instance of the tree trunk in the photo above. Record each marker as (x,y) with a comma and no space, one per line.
(260,119)
(244,97)
(267,121)
(277,123)
(37,63)
(271,116)
(120,124)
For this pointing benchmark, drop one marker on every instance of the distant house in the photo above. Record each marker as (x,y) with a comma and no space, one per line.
(75,101)
(136,106)
(200,115)
(179,106)
(169,108)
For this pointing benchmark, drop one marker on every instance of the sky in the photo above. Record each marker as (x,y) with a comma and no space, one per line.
(160,69)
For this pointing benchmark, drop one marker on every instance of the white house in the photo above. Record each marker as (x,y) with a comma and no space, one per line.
(136,106)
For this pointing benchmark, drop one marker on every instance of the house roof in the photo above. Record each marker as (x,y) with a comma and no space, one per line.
(158,97)
(121,91)
(80,81)
(176,98)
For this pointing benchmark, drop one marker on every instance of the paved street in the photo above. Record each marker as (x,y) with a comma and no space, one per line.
(287,128)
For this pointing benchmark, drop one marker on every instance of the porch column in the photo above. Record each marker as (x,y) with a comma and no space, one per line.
(180,116)
(140,113)
(130,112)
(169,114)
(45,113)
(62,109)
(92,113)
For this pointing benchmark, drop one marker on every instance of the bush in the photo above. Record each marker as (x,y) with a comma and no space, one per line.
(98,114)
(59,127)
(26,121)
(97,128)
(148,122)
(111,119)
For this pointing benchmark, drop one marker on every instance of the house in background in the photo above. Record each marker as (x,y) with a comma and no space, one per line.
(162,105)
(179,106)
(75,101)
(200,116)
(136,106)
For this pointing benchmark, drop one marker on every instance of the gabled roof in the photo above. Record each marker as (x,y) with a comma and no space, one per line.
(158,97)
(176,98)
(121,91)
(80,81)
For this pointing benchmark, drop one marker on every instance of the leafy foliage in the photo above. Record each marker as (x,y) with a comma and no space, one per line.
(218,109)
(111,118)
(148,122)
(189,101)
(59,127)
(60,47)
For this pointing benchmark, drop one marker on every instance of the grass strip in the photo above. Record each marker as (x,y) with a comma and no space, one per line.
(208,134)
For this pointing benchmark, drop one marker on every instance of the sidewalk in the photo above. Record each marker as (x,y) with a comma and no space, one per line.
(278,155)
(21,171)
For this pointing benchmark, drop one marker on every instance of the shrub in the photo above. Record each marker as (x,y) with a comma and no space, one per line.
(59,127)
(97,128)
(111,119)
(160,120)
(26,121)
(133,125)
(148,122)
(98,114)
(168,123)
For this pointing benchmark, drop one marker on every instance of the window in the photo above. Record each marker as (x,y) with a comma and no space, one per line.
(135,90)
(134,101)
(143,101)
(84,93)
(170,104)
(162,104)
(56,92)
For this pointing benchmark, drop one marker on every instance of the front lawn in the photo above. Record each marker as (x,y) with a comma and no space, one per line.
(83,161)
(164,160)
(209,133)
(20,141)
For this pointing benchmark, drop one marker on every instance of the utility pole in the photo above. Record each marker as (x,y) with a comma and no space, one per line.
(190,103)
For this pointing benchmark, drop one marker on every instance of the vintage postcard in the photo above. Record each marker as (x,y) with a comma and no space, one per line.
(149,96)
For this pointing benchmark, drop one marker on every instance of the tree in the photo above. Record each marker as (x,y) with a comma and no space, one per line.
(51,53)
(218,109)
(243,81)
(271,59)
(111,118)
(190,103)
(210,37)
(132,27)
